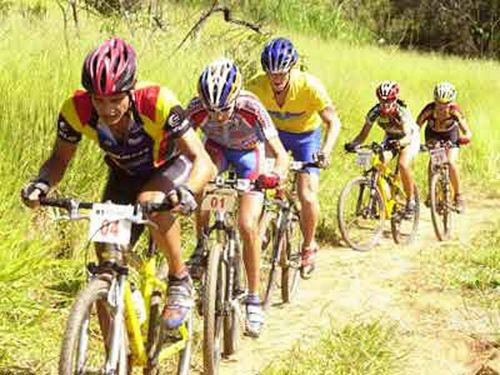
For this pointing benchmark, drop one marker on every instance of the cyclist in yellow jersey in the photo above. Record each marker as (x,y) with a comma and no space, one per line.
(298,104)
(152,154)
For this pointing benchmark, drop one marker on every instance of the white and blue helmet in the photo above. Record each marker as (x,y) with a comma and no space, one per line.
(219,84)
(278,56)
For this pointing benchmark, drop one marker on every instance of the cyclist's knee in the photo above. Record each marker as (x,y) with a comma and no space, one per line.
(248,226)
(308,197)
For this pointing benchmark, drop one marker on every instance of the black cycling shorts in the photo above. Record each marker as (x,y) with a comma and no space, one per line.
(122,188)
(448,135)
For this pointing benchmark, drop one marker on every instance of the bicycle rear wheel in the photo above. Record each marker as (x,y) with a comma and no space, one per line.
(213,310)
(268,264)
(441,211)
(84,350)
(404,227)
(291,245)
(360,214)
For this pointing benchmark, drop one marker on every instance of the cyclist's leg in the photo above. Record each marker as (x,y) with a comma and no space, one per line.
(167,236)
(406,156)
(303,147)
(249,164)
(216,152)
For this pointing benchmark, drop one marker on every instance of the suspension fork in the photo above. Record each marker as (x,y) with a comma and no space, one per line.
(116,301)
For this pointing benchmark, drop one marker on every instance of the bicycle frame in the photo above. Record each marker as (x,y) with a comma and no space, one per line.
(381,174)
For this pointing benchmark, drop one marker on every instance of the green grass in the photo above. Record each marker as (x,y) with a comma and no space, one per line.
(41,262)
(357,348)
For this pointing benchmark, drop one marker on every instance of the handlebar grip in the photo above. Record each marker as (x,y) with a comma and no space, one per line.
(150,207)
(56,202)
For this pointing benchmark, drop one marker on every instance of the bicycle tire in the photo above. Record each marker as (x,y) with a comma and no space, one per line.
(213,303)
(290,259)
(398,216)
(232,318)
(359,185)
(95,290)
(440,195)
(269,266)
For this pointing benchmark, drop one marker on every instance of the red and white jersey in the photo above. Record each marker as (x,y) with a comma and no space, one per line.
(249,125)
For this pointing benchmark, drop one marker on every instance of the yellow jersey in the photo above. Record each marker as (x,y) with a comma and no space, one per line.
(306,97)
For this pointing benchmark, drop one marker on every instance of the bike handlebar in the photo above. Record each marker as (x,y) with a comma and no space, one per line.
(71,204)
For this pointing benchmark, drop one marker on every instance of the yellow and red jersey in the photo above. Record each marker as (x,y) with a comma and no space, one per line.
(305,98)
(156,120)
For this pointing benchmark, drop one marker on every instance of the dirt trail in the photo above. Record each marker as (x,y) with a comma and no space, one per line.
(353,286)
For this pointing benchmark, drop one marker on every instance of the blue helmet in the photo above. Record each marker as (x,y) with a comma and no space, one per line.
(278,56)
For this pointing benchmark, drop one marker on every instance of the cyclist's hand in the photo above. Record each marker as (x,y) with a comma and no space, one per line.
(394,144)
(268,181)
(33,191)
(463,140)
(322,159)
(182,200)
(350,147)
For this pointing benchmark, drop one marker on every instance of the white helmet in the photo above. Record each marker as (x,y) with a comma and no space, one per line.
(444,92)
(219,84)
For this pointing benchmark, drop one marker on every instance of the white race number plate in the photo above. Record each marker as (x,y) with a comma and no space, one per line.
(219,201)
(364,158)
(107,224)
(438,156)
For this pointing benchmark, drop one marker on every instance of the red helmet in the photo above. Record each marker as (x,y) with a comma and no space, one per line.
(110,68)
(388,91)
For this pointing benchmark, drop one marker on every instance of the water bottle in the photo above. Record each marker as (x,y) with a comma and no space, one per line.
(139,305)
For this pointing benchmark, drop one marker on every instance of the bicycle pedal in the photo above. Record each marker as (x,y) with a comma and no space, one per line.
(170,336)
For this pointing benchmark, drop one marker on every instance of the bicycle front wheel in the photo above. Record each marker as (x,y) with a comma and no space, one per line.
(85,347)
(360,214)
(290,243)
(441,212)
(213,310)
(403,226)
(268,264)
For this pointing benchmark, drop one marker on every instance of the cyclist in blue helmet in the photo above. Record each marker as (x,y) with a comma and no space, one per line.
(298,104)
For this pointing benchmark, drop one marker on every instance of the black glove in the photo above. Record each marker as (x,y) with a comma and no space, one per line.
(183,197)
(33,191)
(351,146)
(322,160)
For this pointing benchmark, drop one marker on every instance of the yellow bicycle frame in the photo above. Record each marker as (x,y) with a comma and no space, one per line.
(137,334)
(385,176)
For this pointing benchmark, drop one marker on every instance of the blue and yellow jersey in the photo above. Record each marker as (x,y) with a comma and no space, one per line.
(452,118)
(305,98)
(156,120)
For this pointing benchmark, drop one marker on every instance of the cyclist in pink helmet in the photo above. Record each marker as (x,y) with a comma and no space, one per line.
(151,151)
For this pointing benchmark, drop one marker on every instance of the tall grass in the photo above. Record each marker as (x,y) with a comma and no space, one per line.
(40,264)
(357,348)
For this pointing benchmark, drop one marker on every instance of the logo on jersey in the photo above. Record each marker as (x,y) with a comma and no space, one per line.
(286,115)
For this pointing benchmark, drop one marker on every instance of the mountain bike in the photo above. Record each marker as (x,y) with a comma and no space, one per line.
(115,321)
(282,239)
(442,205)
(367,201)
(222,289)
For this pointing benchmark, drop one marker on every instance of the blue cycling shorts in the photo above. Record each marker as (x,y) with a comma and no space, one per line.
(246,163)
(302,145)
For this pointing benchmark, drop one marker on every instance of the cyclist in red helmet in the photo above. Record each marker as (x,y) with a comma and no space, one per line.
(151,151)
(401,131)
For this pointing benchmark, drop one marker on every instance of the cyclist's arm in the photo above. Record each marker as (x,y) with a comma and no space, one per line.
(203,169)
(363,134)
(332,122)
(462,124)
(422,117)
(54,167)
(276,147)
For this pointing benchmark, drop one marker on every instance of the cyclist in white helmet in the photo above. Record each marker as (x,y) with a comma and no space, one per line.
(444,122)
(401,132)
(237,128)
